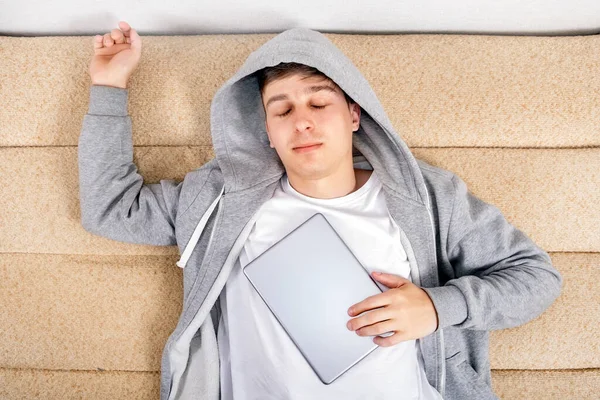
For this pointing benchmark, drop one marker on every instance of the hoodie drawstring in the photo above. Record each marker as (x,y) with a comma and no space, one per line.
(198,231)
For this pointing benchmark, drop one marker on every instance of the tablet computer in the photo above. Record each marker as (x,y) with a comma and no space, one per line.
(308,280)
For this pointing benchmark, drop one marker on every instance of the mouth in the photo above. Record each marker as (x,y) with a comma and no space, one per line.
(308,147)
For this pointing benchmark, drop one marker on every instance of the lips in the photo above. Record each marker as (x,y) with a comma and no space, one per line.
(306,145)
(308,148)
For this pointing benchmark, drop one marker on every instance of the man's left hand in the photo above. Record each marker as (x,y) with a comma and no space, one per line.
(405,309)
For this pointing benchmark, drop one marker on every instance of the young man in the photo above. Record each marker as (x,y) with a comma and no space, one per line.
(284,141)
(310,123)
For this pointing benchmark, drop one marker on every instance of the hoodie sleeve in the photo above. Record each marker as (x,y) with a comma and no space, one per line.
(502,279)
(115,202)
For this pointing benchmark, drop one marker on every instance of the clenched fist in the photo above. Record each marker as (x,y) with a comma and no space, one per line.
(116,55)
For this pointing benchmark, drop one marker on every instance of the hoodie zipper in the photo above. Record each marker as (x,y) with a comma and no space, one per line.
(442,379)
(442,375)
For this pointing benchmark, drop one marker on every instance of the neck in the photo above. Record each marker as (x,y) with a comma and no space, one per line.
(338,184)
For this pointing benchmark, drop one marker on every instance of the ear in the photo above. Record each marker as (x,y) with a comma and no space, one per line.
(355,112)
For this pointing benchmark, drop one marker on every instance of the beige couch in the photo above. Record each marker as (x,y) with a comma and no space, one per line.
(518,118)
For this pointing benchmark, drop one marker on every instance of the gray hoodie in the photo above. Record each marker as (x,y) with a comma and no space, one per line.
(480,271)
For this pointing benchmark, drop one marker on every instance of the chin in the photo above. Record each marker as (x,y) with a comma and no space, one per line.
(311,172)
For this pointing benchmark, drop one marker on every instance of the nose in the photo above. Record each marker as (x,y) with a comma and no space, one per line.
(303,120)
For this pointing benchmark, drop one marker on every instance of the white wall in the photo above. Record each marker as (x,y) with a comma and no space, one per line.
(185,17)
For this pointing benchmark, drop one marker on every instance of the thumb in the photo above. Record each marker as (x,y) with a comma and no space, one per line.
(390,280)
(136,41)
(132,36)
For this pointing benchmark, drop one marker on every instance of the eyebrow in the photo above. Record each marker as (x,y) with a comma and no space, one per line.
(308,90)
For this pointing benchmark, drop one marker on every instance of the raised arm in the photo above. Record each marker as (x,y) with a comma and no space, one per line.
(115,202)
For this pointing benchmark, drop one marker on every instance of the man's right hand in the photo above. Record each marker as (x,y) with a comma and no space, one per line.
(116,55)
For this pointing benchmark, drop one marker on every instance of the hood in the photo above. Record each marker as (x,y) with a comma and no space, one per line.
(238,128)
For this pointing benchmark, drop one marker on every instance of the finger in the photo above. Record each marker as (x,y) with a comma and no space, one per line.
(111,51)
(98,41)
(375,301)
(390,280)
(127,31)
(369,318)
(135,40)
(125,28)
(377,329)
(108,41)
(117,36)
(131,36)
(388,341)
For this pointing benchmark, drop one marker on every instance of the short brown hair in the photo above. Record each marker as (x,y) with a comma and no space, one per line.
(282,70)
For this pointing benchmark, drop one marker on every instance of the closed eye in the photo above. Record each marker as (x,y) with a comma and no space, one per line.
(288,111)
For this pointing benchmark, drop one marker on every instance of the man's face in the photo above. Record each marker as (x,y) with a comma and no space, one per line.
(310,116)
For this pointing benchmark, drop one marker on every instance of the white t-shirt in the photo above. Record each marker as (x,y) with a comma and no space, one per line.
(258,359)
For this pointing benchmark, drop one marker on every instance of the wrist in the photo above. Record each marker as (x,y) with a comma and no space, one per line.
(110,85)
(117,84)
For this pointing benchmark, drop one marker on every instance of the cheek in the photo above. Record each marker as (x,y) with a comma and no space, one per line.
(279,138)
